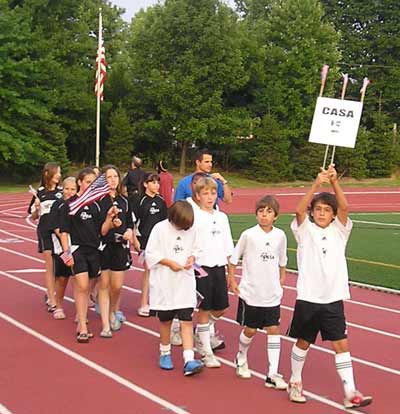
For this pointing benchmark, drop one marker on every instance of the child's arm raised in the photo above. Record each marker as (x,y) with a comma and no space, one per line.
(301,210)
(343,211)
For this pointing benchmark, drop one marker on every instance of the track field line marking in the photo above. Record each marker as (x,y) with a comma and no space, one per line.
(93,365)
(4,410)
(100,369)
(376,222)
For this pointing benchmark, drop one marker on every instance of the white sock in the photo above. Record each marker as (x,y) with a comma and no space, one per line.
(273,350)
(244,345)
(165,349)
(212,320)
(344,368)
(188,355)
(203,330)
(298,358)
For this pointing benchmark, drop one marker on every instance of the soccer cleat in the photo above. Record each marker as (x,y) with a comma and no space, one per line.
(210,361)
(192,367)
(357,400)
(166,362)
(217,342)
(175,338)
(276,381)
(295,391)
(242,370)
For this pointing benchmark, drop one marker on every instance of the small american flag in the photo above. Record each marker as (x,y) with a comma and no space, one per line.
(98,189)
(366,82)
(101,71)
(324,73)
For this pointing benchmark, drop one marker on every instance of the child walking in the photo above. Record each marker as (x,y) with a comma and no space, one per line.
(39,208)
(263,248)
(150,210)
(170,254)
(322,284)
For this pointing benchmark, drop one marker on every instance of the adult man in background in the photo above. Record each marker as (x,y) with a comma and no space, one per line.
(134,177)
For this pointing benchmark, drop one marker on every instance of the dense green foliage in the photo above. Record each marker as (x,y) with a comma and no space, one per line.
(189,73)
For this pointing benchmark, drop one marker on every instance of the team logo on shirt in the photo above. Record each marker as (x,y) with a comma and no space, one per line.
(267,243)
(265,256)
(178,246)
(324,251)
(153,209)
(58,195)
(85,216)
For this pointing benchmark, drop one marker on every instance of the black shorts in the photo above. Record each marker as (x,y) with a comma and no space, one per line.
(116,257)
(257,317)
(86,259)
(45,242)
(185,314)
(60,268)
(213,288)
(310,318)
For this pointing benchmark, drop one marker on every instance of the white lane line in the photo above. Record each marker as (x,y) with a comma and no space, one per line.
(257,374)
(376,222)
(4,410)
(100,369)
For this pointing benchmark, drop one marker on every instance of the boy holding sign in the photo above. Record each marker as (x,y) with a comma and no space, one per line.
(322,284)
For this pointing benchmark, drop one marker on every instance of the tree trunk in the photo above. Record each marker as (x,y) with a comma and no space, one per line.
(182,166)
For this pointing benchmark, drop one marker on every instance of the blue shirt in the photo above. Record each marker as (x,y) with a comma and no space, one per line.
(184,190)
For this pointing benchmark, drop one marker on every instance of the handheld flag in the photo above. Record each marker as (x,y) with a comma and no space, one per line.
(200,272)
(98,189)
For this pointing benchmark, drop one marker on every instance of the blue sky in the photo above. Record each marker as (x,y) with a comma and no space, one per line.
(132,6)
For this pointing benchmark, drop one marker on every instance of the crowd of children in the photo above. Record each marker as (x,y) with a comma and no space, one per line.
(186,249)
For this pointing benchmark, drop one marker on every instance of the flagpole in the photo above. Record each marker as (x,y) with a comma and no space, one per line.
(98,95)
(324,74)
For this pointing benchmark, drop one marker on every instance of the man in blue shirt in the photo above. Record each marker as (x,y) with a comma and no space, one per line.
(203,161)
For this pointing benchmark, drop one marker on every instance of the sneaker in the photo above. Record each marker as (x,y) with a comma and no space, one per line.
(210,361)
(166,362)
(120,316)
(217,342)
(115,324)
(144,311)
(175,338)
(276,381)
(242,370)
(357,400)
(192,367)
(295,390)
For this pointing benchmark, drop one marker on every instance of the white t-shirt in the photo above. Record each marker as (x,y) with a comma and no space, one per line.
(215,237)
(168,289)
(193,203)
(263,253)
(323,276)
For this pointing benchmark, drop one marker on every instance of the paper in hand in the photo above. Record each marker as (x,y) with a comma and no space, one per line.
(199,271)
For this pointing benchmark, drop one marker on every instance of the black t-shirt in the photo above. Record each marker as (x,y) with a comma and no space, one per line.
(84,226)
(125,215)
(148,212)
(133,179)
(47,198)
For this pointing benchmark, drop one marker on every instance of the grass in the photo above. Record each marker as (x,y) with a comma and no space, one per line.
(372,255)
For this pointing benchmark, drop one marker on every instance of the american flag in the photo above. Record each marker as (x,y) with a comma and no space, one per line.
(366,82)
(324,73)
(98,189)
(101,71)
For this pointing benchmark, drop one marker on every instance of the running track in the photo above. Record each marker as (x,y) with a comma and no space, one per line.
(44,370)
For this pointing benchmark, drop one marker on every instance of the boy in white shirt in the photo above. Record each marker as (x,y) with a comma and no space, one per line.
(217,245)
(263,248)
(322,284)
(170,254)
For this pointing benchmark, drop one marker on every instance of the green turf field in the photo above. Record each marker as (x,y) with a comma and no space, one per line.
(373,251)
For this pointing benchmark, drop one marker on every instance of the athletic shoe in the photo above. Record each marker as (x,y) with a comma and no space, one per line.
(144,311)
(115,324)
(175,338)
(357,400)
(217,342)
(192,367)
(295,390)
(166,362)
(120,316)
(242,370)
(210,361)
(276,381)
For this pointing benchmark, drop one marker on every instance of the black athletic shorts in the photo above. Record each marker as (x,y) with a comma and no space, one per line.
(184,314)
(311,318)
(86,259)
(60,268)
(45,241)
(116,257)
(213,288)
(257,317)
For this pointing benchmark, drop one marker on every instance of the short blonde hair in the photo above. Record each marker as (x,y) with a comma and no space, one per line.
(69,179)
(205,183)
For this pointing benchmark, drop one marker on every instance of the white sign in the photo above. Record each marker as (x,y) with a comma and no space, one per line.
(336,122)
